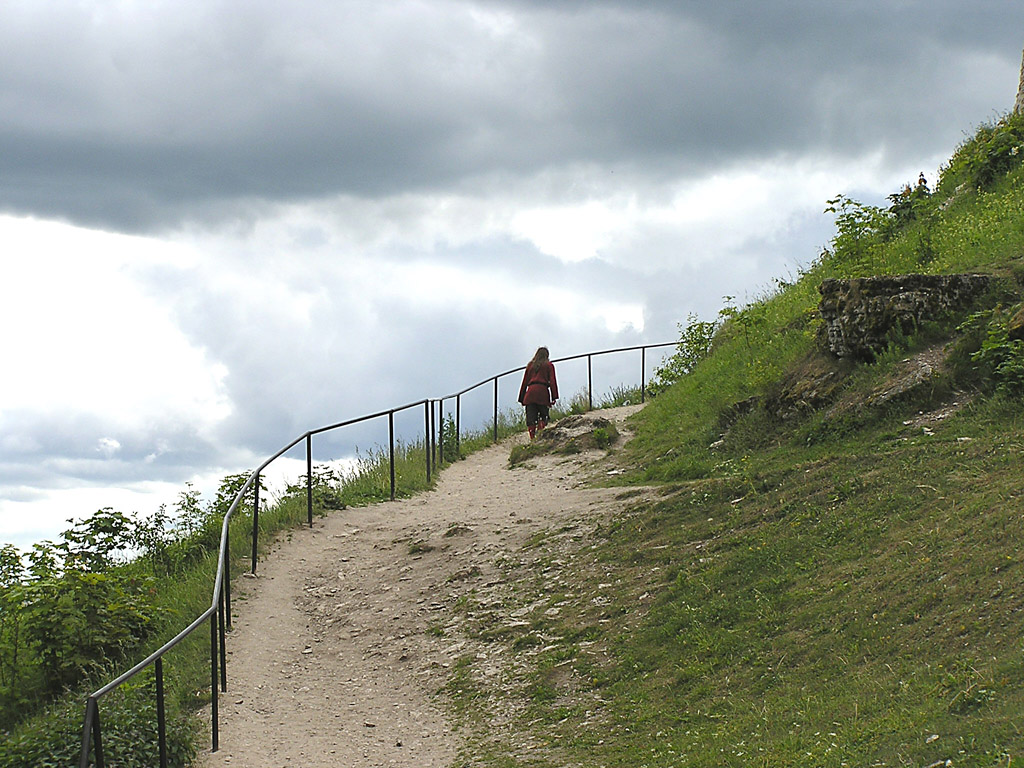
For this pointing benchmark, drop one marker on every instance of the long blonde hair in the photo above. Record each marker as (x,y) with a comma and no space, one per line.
(540,358)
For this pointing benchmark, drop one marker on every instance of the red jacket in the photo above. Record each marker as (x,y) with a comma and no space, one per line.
(539,387)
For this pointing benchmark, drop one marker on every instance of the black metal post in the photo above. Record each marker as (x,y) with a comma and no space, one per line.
(221,636)
(97,738)
(214,714)
(227,582)
(433,442)
(391,442)
(161,715)
(458,426)
(440,431)
(255,528)
(590,385)
(91,735)
(495,409)
(426,436)
(309,479)
(643,373)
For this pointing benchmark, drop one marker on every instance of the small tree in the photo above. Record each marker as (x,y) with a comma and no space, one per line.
(694,345)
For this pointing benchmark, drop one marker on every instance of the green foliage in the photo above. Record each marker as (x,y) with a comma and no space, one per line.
(449,439)
(578,404)
(130,737)
(74,607)
(95,543)
(526,451)
(77,621)
(13,688)
(995,150)
(619,396)
(50,741)
(997,358)
(695,339)
(605,436)
(909,204)
(326,483)
(53,740)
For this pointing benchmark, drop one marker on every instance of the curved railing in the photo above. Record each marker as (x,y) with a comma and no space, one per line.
(219,612)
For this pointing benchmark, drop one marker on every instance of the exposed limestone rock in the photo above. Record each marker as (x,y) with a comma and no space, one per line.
(1019,104)
(810,386)
(860,314)
(579,432)
(912,374)
(570,435)
(1015,325)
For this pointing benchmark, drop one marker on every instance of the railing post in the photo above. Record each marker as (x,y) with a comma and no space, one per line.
(590,385)
(309,479)
(643,373)
(161,715)
(495,409)
(458,426)
(227,582)
(440,432)
(91,734)
(255,527)
(426,436)
(391,442)
(221,637)
(214,713)
(433,443)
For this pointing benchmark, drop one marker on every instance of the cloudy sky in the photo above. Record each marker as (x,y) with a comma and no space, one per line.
(224,223)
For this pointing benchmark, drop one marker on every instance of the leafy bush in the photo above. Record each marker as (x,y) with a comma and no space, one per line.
(449,439)
(695,339)
(325,483)
(78,620)
(998,358)
(861,230)
(68,607)
(129,733)
(994,150)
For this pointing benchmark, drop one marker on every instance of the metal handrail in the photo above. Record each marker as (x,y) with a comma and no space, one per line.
(219,612)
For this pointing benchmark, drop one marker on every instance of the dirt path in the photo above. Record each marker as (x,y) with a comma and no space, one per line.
(335,658)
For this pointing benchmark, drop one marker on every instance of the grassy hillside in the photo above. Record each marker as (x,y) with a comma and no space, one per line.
(833,583)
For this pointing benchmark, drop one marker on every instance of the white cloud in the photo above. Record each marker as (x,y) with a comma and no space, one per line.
(84,335)
(108,447)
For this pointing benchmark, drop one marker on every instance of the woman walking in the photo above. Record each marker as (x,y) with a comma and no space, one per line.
(539,391)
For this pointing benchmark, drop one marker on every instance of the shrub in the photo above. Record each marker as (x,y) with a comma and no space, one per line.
(994,150)
(695,339)
(997,357)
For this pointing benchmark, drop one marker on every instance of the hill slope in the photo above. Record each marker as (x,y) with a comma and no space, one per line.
(833,583)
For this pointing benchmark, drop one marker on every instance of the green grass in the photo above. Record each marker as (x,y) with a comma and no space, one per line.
(832,589)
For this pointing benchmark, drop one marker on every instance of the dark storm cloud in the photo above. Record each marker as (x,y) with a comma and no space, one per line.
(142,119)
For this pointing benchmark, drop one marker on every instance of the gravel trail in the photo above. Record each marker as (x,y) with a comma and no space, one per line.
(335,658)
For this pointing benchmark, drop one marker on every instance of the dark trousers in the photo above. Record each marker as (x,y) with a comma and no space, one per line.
(536,412)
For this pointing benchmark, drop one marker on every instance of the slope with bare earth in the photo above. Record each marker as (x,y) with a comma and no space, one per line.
(340,654)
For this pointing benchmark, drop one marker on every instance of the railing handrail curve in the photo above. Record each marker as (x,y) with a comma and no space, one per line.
(90,727)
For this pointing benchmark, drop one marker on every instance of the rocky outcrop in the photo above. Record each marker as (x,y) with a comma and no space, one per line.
(1018,105)
(860,314)
(1015,325)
